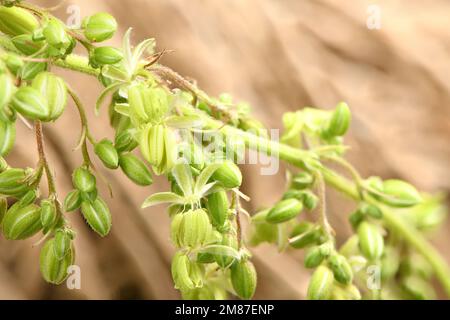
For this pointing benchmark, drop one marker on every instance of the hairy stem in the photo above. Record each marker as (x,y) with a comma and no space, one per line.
(43,158)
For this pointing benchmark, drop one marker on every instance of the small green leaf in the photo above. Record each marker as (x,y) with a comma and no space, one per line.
(183,176)
(113,87)
(204,176)
(162,197)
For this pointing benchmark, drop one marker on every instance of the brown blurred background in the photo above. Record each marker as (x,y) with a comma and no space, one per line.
(279,56)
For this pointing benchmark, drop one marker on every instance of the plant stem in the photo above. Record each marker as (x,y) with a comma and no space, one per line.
(305,159)
(43,159)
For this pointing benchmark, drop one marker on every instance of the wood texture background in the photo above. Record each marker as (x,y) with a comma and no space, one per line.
(279,56)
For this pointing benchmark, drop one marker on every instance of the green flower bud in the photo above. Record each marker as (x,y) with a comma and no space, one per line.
(21,222)
(205,257)
(341,269)
(3,208)
(107,154)
(13,182)
(321,284)
(180,272)
(62,244)
(125,141)
(55,34)
(25,44)
(7,89)
(339,122)
(195,228)
(48,214)
(31,69)
(371,241)
(372,211)
(28,198)
(228,175)
(243,278)
(217,206)
(293,194)
(105,55)
(284,210)
(89,196)
(14,63)
(306,238)
(175,229)
(347,292)
(99,27)
(223,260)
(31,103)
(397,193)
(314,257)
(153,144)
(54,270)
(147,105)
(83,180)
(135,169)
(97,215)
(15,21)
(302,180)
(54,89)
(7,137)
(309,200)
(72,201)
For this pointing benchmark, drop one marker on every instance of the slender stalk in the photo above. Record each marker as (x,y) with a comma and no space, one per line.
(43,159)
(305,159)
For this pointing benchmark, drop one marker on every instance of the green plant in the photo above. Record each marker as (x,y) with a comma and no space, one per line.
(157,112)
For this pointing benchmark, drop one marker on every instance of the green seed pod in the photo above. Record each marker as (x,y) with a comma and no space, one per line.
(321,284)
(284,210)
(15,21)
(180,272)
(107,154)
(89,196)
(31,69)
(7,89)
(13,182)
(217,206)
(175,229)
(83,180)
(371,211)
(62,244)
(105,55)
(307,238)
(293,194)
(97,215)
(55,34)
(205,257)
(228,175)
(22,222)
(25,44)
(48,214)
(341,269)
(314,258)
(99,27)
(229,241)
(72,201)
(14,63)
(309,200)
(3,208)
(398,193)
(31,103)
(195,228)
(302,180)
(125,141)
(7,137)
(135,169)
(347,292)
(152,144)
(54,89)
(243,278)
(371,241)
(339,122)
(54,270)
(28,198)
